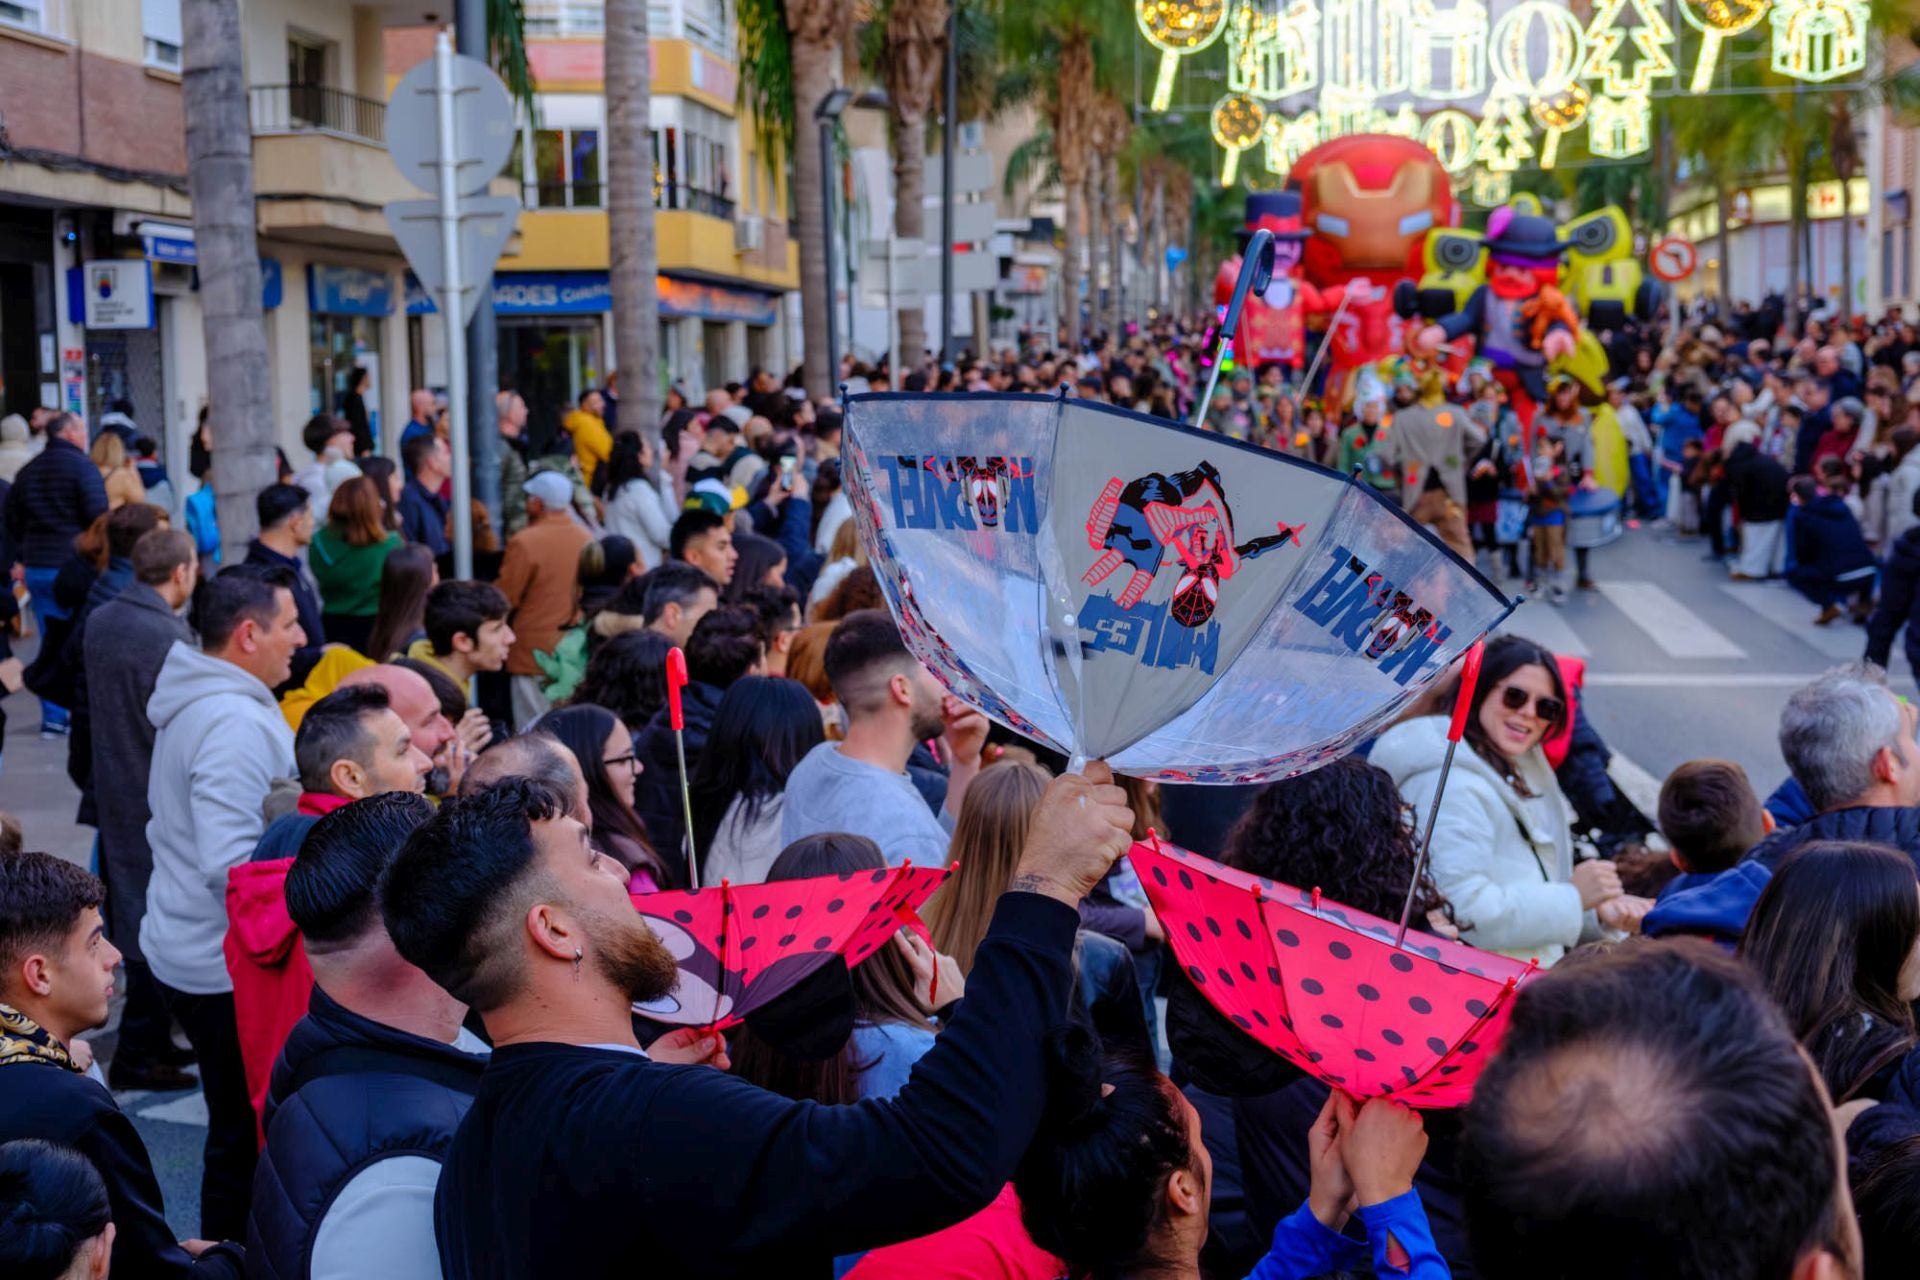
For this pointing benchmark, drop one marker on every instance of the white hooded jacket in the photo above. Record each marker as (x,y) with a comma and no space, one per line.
(220,743)
(1504,861)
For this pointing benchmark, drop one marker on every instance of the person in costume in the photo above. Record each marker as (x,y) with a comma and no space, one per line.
(1273,327)
(1521,319)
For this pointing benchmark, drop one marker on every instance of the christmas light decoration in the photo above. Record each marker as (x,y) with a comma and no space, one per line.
(1715,20)
(1491,188)
(1237,124)
(1404,123)
(1345,111)
(1504,138)
(1450,135)
(1365,46)
(1177,27)
(1562,112)
(1513,36)
(1619,128)
(1651,35)
(1449,50)
(1273,54)
(1819,40)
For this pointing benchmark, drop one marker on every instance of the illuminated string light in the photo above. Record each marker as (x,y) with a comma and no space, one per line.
(1513,37)
(1365,46)
(1345,111)
(1404,123)
(1819,39)
(1651,35)
(1273,54)
(1715,20)
(1237,124)
(1454,40)
(1491,188)
(1451,135)
(1619,128)
(1559,114)
(1503,138)
(1177,27)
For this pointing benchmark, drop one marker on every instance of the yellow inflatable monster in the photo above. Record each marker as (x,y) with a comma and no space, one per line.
(1599,276)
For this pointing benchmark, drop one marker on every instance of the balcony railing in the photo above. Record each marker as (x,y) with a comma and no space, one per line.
(303,108)
(591,195)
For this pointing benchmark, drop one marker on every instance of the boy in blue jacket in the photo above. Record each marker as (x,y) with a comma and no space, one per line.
(1711,816)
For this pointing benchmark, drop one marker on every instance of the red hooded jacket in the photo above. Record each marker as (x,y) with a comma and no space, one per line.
(271,979)
(1573,674)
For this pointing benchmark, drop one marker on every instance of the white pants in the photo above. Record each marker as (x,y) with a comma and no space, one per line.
(1760,549)
(529,704)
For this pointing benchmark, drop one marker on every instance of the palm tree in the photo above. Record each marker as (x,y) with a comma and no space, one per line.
(220,181)
(912,57)
(815,29)
(632,266)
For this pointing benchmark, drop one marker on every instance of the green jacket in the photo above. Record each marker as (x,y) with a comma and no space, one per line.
(349,577)
(513,490)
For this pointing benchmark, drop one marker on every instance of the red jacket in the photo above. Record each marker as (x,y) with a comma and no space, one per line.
(991,1245)
(271,979)
(1573,674)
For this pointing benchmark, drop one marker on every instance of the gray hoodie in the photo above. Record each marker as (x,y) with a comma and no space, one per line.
(220,743)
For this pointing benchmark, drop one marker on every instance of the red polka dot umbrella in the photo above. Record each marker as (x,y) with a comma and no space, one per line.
(1324,986)
(742,946)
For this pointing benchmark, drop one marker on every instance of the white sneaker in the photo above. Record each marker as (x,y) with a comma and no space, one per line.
(1557,594)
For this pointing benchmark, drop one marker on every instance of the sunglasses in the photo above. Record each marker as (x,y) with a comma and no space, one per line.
(1514,698)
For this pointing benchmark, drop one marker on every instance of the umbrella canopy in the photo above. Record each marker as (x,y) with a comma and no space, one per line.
(742,946)
(1324,986)
(1185,606)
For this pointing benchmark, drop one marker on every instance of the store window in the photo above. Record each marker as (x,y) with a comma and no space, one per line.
(552,361)
(338,343)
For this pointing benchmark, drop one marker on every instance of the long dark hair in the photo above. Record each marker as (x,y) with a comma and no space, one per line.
(381,471)
(1504,656)
(764,726)
(405,580)
(628,676)
(882,986)
(583,728)
(1092,1183)
(757,555)
(1342,829)
(622,464)
(1828,937)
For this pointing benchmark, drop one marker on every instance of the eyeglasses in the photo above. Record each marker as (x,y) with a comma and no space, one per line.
(1514,698)
(629,759)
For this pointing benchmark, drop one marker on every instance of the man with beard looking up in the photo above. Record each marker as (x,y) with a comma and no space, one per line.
(861,784)
(560,1167)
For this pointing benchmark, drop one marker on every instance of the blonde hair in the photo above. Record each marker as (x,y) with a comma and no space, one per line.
(987,839)
(846,543)
(109,452)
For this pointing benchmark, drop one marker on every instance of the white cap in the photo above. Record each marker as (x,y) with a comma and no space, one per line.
(553,489)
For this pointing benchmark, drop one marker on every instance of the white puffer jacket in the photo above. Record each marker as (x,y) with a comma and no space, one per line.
(1504,861)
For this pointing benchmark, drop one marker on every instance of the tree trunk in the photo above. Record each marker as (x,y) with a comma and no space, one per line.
(1094,205)
(1076,198)
(1116,233)
(813,66)
(220,180)
(1797,216)
(1725,202)
(632,275)
(910,223)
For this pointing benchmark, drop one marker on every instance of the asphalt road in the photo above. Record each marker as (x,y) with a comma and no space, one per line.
(1682,664)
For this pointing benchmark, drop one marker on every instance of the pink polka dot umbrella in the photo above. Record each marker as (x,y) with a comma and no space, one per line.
(1324,985)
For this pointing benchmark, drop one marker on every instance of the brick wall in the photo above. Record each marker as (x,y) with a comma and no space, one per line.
(99,109)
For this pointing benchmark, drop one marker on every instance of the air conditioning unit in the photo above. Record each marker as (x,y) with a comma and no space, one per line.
(748,234)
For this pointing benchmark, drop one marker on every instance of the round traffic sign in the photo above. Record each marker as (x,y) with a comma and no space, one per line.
(1673,258)
(483,125)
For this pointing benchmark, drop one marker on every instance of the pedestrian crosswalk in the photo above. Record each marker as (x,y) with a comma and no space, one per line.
(1648,636)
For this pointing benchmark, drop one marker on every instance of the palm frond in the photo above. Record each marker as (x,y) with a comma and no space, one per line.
(766,75)
(507,50)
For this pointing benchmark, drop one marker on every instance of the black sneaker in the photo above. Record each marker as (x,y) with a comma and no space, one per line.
(123,1075)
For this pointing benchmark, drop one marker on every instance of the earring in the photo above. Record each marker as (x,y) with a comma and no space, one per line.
(578,956)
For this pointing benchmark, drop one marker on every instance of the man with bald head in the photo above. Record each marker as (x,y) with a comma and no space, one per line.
(535,756)
(1649,1113)
(411,698)
(420,408)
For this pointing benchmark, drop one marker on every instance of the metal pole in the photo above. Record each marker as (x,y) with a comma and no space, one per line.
(451,308)
(893,314)
(950,141)
(483,353)
(826,224)
(1426,845)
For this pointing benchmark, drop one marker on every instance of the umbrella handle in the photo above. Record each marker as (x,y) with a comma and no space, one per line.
(1456,729)
(1256,272)
(676,717)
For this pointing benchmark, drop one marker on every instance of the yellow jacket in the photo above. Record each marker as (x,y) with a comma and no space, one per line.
(592,442)
(336,664)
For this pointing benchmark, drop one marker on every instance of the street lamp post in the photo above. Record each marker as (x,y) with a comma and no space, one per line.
(950,139)
(825,116)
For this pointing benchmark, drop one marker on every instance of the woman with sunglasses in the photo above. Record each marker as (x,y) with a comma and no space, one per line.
(1502,846)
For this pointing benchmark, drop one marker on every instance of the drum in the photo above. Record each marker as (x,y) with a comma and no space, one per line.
(1593,518)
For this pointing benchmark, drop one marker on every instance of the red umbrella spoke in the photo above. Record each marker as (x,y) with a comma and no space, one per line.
(1323,984)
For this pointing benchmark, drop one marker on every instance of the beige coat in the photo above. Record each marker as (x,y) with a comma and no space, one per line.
(541,579)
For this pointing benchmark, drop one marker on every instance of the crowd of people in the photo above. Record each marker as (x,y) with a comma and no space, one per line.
(370,837)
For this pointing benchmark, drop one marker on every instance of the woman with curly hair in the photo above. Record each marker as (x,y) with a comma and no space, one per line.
(1344,830)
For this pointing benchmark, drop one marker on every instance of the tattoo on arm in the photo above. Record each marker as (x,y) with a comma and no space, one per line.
(1029,884)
